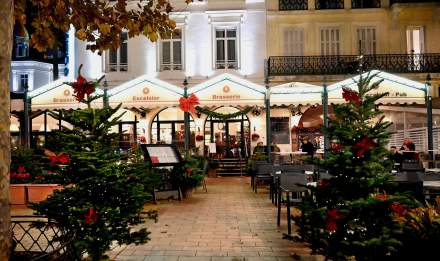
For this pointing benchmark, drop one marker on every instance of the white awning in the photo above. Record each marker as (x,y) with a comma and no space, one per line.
(295,93)
(401,90)
(228,90)
(58,95)
(145,92)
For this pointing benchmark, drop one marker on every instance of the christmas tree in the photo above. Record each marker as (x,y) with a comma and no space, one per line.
(351,214)
(103,196)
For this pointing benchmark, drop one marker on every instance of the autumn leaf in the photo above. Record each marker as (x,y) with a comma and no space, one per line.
(104,29)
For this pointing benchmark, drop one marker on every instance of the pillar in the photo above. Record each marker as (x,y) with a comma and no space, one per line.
(186,119)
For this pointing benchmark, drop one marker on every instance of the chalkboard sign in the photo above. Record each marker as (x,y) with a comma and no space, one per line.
(161,154)
(280,130)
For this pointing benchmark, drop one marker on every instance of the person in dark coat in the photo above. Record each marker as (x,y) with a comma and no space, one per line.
(307,146)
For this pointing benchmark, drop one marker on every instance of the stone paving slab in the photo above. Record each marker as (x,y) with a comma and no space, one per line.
(228,223)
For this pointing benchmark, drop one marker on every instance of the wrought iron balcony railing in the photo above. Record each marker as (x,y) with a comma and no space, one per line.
(285,5)
(346,64)
(412,1)
(329,4)
(355,4)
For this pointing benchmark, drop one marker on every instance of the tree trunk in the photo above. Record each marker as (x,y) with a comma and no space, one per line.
(6,26)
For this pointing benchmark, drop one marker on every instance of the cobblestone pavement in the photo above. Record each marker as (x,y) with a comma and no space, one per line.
(230,222)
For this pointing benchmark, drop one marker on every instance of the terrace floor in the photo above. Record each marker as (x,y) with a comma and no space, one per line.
(229,222)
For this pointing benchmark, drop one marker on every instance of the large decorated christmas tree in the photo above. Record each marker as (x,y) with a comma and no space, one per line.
(353,212)
(103,196)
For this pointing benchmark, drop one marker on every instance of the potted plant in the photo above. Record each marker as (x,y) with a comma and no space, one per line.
(213,166)
(22,173)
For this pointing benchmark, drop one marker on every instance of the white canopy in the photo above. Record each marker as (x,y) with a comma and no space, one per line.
(401,90)
(295,93)
(58,95)
(228,90)
(145,92)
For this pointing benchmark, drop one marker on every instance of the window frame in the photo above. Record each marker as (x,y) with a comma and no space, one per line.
(366,46)
(226,64)
(24,44)
(118,66)
(172,66)
(23,77)
(330,43)
(291,49)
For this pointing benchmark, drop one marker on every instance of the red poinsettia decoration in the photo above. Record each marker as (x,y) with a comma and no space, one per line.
(398,209)
(351,96)
(363,145)
(81,87)
(21,169)
(91,216)
(336,147)
(189,171)
(61,158)
(188,104)
(255,136)
(199,137)
(142,139)
(332,216)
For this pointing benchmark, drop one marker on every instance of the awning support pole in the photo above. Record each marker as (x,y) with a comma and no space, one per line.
(105,97)
(26,108)
(325,117)
(428,101)
(267,105)
(186,119)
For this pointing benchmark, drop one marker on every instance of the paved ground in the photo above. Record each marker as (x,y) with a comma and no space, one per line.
(230,222)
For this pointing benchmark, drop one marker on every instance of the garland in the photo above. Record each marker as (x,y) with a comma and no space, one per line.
(222,116)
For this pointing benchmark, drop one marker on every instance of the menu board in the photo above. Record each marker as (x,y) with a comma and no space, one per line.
(280,130)
(161,154)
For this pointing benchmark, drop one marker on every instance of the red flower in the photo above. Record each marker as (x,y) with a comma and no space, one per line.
(351,96)
(91,216)
(382,197)
(363,145)
(199,138)
(188,104)
(398,209)
(323,183)
(62,158)
(81,87)
(255,136)
(21,169)
(334,214)
(336,147)
(189,171)
(142,139)
(331,225)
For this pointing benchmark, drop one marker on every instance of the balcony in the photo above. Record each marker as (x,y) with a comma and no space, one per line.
(329,4)
(411,1)
(287,5)
(348,64)
(357,4)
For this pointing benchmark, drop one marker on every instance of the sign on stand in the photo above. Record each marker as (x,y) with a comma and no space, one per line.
(164,156)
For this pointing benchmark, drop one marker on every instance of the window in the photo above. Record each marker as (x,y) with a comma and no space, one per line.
(171,52)
(24,81)
(226,48)
(330,43)
(294,42)
(21,47)
(415,40)
(366,40)
(118,59)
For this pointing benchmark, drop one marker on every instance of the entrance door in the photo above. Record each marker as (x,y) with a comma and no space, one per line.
(231,137)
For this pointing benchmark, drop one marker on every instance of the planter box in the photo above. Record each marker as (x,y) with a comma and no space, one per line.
(17,194)
(39,192)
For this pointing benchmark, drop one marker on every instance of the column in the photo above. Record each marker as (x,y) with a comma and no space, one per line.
(384,3)
(347,4)
(186,119)
(311,4)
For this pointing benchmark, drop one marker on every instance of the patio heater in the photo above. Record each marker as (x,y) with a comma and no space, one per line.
(325,116)
(186,119)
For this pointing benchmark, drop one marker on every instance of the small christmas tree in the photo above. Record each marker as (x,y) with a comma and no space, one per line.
(350,214)
(103,195)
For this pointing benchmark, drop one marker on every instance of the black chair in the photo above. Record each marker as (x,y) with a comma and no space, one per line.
(290,183)
(263,174)
(254,168)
